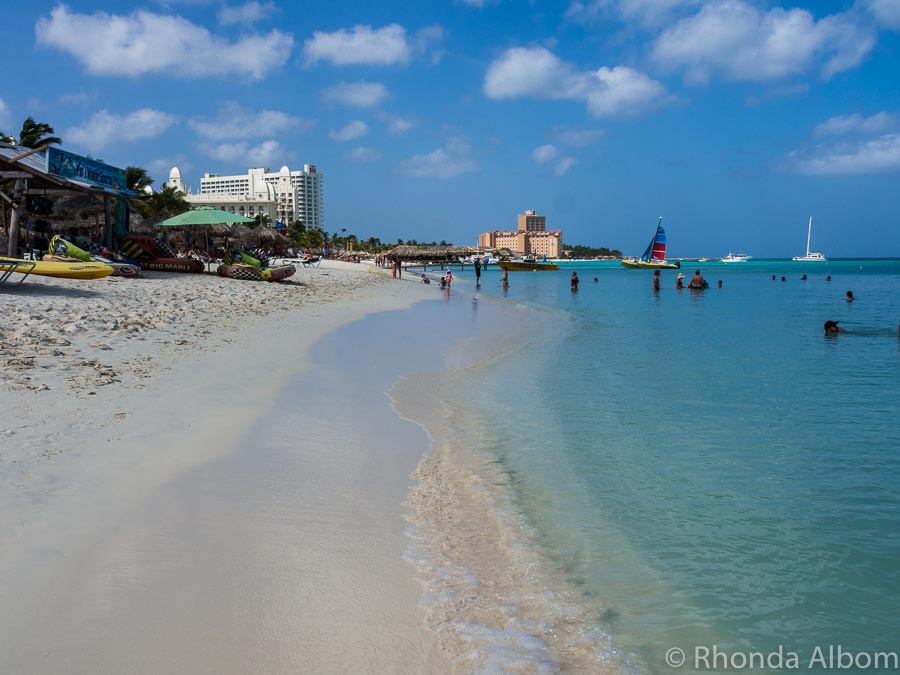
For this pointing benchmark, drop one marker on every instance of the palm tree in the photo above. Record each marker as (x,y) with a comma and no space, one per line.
(168,200)
(137,179)
(35,134)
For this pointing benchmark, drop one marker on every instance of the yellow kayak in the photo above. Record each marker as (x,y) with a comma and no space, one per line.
(65,270)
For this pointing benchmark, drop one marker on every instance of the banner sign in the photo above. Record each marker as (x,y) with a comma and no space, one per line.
(84,169)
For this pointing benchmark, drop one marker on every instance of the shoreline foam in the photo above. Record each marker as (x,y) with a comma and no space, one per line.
(496,602)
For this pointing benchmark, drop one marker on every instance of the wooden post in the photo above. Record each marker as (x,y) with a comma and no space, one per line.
(107,221)
(12,248)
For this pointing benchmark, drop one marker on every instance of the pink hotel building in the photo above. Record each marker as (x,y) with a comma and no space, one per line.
(531,238)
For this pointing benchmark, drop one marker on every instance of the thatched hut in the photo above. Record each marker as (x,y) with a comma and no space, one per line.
(433,254)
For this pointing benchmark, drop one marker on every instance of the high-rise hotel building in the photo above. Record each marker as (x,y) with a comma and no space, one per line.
(284,196)
(530,238)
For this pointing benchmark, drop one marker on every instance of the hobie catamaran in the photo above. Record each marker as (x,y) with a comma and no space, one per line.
(655,255)
(811,256)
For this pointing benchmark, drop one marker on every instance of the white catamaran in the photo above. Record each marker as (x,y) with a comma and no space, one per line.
(811,256)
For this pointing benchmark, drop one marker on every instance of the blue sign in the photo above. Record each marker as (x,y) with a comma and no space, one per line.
(74,167)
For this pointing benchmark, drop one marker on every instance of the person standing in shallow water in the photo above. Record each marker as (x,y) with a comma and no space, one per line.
(655,280)
(697,281)
(574,281)
(477,271)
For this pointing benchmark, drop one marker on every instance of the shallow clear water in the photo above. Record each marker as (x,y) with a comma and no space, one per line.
(707,467)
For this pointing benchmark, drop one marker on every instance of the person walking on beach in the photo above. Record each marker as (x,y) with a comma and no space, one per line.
(574,281)
(449,278)
(655,280)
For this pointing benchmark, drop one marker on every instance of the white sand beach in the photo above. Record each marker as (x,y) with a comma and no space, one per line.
(132,538)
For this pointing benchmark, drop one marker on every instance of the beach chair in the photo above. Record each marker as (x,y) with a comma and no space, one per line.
(10,265)
(311,262)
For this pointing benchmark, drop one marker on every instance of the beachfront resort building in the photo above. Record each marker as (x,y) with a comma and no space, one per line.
(284,196)
(531,237)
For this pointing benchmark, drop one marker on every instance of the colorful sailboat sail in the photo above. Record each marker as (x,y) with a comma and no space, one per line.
(655,255)
(656,250)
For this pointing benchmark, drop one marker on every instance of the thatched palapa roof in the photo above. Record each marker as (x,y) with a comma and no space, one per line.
(433,252)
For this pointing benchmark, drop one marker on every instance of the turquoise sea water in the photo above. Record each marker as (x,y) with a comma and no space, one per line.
(704,468)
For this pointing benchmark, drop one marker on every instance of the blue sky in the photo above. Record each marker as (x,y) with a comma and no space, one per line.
(735,120)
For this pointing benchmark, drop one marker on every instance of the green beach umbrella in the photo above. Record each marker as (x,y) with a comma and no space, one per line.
(204,215)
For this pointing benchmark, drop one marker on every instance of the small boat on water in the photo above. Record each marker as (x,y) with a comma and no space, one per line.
(526,265)
(655,255)
(735,257)
(811,256)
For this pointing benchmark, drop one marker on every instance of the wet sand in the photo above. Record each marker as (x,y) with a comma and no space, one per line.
(188,486)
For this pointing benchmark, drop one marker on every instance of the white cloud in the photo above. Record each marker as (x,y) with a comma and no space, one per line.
(737,41)
(104,128)
(397,125)
(878,155)
(544,153)
(579,138)
(248,13)
(454,159)
(356,94)
(564,166)
(235,123)
(76,98)
(144,42)
(622,91)
(537,73)
(361,45)
(648,13)
(5,118)
(362,154)
(425,38)
(856,123)
(783,91)
(886,12)
(264,153)
(349,132)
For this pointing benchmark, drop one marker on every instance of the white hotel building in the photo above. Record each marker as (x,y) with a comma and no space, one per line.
(284,196)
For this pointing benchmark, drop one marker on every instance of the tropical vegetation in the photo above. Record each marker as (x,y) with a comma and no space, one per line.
(33,135)
(579,251)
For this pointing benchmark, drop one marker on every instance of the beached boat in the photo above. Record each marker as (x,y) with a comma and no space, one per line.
(63,270)
(239,264)
(655,255)
(811,256)
(735,257)
(251,273)
(62,250)
(525,265)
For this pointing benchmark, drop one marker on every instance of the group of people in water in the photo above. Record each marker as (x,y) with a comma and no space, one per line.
(697,281)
